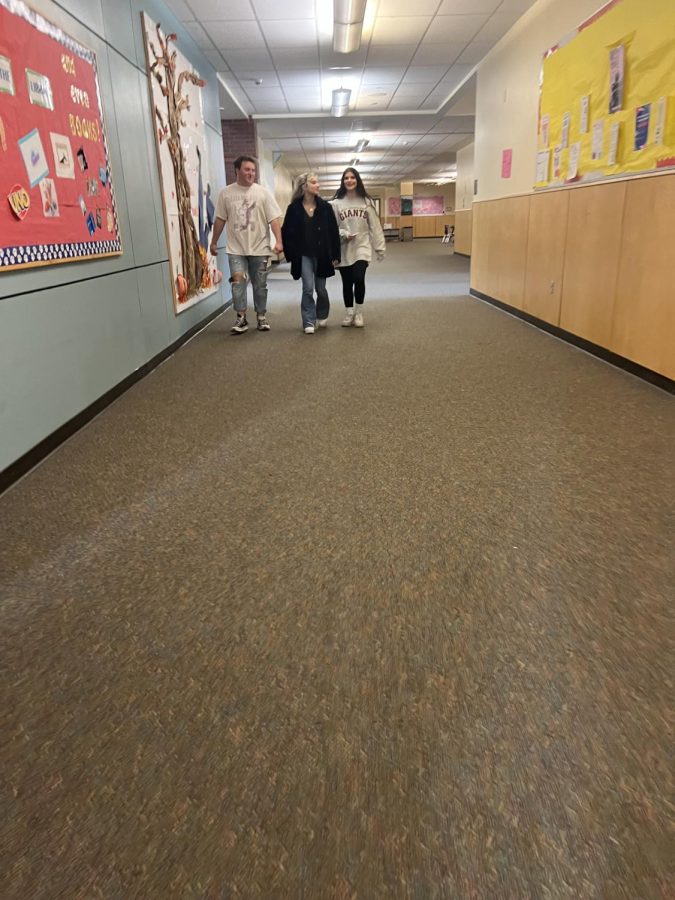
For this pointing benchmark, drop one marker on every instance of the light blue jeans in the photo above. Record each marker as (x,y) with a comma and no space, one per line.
(256,269)
(311,282)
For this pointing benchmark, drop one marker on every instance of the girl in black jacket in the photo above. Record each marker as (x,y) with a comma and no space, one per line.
(312,246)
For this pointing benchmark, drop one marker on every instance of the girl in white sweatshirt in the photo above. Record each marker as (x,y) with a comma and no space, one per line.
(360,235)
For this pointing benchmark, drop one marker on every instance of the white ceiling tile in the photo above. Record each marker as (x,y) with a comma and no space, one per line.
(355,60)
(460,7)
(496,27)
(312,143)
(289,144)
(235,35)
(216,60)
(475,52)
(383,75)
(260,94)
(216,10)
(292,9)
(404,30)
(249,78)
(457,73)
(517,6)
(198,35)
(299,77)
(437,54)
(402,102)
(424,74)
(295,58)
(413,90)
(180,8)
(290,33)
(399,55)
(308,102)
(454,29)
(245,60)
(399,8)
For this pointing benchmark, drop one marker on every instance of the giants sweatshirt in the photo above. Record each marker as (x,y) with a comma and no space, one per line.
(358,217)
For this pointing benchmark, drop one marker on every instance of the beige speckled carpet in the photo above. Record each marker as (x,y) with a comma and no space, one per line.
(378,613)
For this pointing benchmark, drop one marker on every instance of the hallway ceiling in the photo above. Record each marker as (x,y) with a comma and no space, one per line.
(277,62)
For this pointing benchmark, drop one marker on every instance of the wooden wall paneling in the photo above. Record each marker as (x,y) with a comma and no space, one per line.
(509,231)
(480,245)
(643,328)
(463,224)
(547,229)
(592,261)
(424,226)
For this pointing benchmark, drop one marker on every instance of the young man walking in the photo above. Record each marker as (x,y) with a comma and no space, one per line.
(249,211)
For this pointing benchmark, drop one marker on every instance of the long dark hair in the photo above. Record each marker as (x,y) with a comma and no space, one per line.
(360,189)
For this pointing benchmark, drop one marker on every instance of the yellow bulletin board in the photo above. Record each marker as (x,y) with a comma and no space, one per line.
(607,99)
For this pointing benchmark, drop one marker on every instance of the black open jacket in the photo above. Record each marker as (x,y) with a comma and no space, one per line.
(328,237)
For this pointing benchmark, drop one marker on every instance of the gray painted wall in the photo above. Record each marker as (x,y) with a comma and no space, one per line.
(69,333)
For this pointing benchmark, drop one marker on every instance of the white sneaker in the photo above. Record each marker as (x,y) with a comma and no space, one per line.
(348,319)
(309,329)
(321,323)
(358,319)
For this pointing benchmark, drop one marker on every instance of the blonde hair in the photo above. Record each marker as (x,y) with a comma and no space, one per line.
(300,184)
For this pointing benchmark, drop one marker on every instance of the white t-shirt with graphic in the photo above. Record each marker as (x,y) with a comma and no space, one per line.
(247,212)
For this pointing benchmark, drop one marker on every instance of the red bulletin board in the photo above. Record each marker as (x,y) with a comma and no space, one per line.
(56,196)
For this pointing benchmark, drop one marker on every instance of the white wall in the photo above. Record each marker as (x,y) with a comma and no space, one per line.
(507,96)
(283,185)
(465,177)
(265,165)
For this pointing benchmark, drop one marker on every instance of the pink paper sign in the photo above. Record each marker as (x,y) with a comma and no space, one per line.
(507,157)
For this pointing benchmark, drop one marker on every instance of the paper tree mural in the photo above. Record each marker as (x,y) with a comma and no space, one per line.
(181,148)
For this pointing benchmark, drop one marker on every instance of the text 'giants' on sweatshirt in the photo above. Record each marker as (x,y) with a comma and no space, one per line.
(359,218)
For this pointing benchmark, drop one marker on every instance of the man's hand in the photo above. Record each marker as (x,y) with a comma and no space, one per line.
(278,247)
(336,262)
(213,249)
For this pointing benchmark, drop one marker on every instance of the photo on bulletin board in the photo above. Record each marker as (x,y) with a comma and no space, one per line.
(50,117)
(180,139)
(607,97)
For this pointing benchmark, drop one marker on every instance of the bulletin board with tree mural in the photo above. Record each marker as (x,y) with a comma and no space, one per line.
(182,155)
(607,99)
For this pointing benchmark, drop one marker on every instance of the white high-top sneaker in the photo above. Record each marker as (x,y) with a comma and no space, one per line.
(358,319)
(349,317)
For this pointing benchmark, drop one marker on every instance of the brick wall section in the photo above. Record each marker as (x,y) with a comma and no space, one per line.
(239,137)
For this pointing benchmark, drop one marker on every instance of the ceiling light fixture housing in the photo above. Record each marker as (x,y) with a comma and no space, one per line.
(348,16)
(340,102)
(361,146)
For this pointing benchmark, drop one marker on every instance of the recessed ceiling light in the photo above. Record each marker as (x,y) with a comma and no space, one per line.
(339,68)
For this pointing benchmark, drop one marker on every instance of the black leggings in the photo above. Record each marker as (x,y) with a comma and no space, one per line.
(354,282)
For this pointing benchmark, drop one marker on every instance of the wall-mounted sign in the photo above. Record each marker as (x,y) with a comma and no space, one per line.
(50,109)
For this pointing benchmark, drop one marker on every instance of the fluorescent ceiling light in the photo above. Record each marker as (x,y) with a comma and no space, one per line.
(362,144)
(340,102)
(348,16)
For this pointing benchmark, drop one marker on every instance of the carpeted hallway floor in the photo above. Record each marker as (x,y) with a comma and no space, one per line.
(377,613)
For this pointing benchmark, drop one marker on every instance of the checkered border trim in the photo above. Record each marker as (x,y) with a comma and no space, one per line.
(24,256)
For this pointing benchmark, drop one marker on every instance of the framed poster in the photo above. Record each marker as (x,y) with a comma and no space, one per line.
(57,202)
(428,206)
(180,137)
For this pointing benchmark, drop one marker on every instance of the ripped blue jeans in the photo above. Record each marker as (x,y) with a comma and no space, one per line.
(256,269)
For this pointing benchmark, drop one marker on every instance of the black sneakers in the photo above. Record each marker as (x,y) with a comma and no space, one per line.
(263,324)
(240,326)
